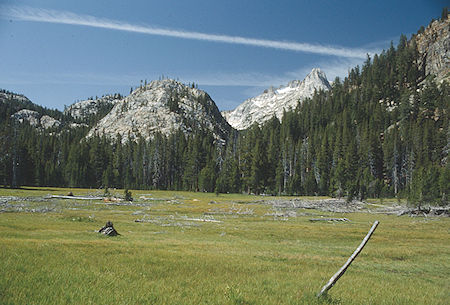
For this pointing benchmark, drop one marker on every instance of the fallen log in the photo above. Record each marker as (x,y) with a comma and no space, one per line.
(76,197)
(341,271)
(329,219)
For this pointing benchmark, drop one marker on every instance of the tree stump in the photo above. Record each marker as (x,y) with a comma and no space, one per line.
(108,229)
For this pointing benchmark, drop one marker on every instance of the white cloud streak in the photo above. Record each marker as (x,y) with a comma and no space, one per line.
(62,17)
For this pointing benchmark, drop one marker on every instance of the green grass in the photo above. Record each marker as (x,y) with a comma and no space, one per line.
(58,258)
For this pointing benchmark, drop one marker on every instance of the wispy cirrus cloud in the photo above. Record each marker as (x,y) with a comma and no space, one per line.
(64,17)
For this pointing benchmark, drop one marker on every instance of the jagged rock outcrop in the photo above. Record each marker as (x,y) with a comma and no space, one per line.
(163,106)
(273,102)
(433,45)
(26,115)
(49,122)
(34,119)
(83,109)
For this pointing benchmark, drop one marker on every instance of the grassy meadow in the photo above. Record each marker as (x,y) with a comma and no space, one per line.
(239,255)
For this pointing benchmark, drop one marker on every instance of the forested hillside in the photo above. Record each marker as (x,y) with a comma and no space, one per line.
(381,131)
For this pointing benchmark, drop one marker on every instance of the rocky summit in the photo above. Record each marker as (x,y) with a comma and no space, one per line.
(273,102)
(164,106)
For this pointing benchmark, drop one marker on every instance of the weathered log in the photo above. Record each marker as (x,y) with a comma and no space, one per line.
(329,219)
(341,271)
(75,197)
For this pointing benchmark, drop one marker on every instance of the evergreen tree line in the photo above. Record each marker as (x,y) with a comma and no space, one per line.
(382,131)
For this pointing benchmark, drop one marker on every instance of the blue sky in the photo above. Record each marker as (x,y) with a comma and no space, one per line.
(56,52)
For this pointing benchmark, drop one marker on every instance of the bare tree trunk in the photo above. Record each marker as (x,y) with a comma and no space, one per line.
(341,271)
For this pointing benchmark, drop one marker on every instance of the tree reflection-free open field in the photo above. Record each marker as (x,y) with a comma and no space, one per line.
(198,248)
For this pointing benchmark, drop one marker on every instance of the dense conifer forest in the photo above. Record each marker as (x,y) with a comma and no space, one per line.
(383,131)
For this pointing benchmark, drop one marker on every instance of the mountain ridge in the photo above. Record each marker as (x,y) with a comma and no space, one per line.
(273,102)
